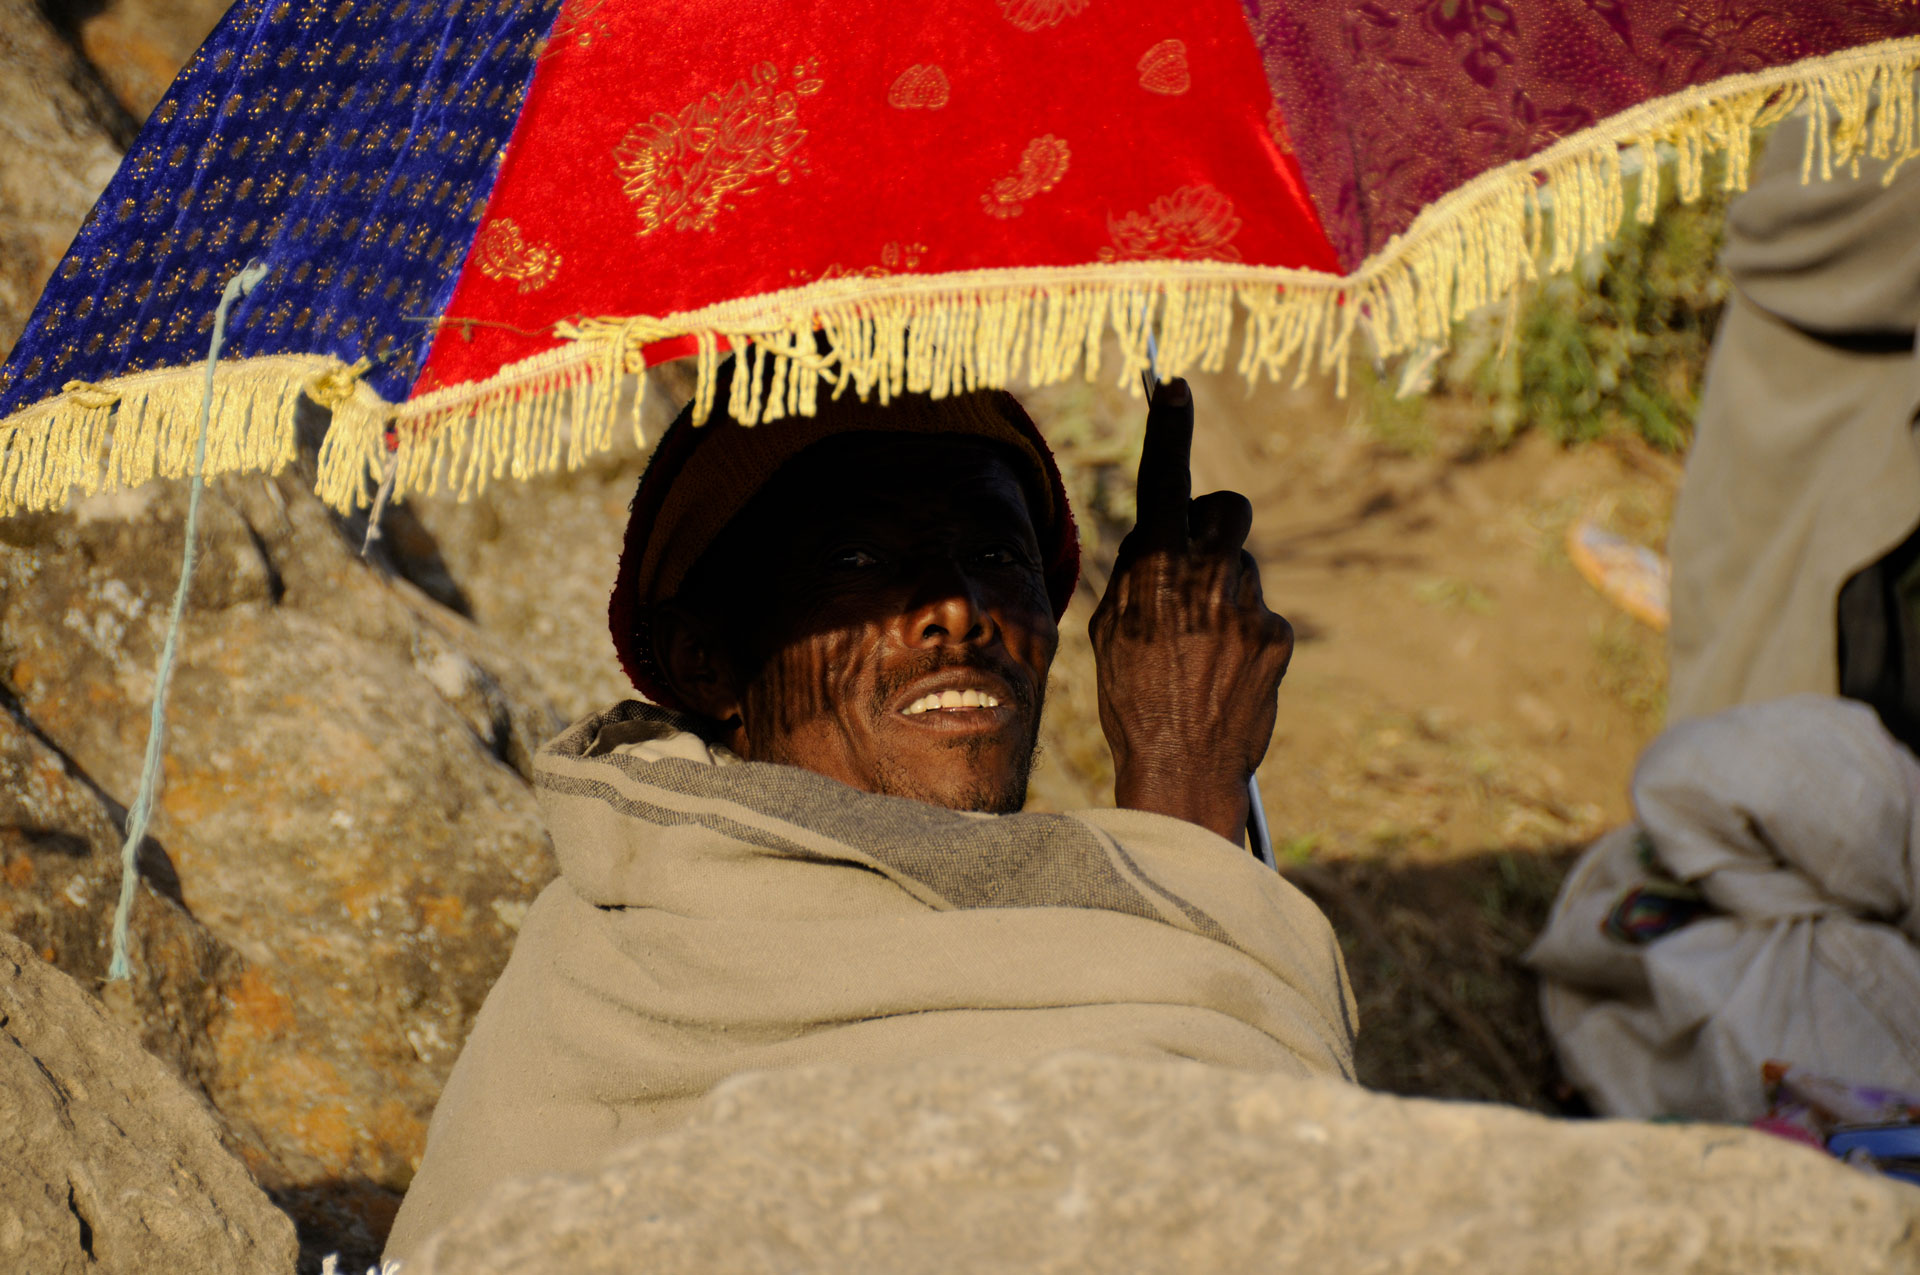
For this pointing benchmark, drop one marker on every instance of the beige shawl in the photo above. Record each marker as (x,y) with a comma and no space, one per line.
(715,917)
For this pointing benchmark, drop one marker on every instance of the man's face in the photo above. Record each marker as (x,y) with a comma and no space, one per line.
(903,633)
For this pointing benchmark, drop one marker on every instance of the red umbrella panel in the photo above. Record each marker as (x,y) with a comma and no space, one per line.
(479,216)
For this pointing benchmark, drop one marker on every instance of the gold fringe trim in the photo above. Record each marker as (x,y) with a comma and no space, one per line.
(948,333)
(91,438)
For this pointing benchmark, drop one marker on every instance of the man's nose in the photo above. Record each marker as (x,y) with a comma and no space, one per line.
(947,608)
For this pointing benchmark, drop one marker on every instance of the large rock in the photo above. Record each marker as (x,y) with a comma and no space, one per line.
(344,841)
(60,843)
(57,153)
(535,561)
(1092,1164)
(107,1162)
(138,46)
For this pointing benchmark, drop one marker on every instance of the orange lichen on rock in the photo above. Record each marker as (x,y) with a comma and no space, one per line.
(327,1130)
(192,794)
(48,770)
(445,913)
(361,897)
(401,1131)
(256,1007)
(295,1100)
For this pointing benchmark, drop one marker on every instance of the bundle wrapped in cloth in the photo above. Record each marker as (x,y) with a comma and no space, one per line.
(1766,905)
(714,917)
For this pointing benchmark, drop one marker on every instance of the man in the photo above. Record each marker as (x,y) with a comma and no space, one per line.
(810,852)
(1794,536)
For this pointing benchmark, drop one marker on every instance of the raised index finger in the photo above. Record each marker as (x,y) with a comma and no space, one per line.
(1164,487)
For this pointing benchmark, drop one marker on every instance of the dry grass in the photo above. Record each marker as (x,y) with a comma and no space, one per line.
(1447,1010)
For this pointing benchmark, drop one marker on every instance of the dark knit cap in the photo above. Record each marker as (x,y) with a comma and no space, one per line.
(701,477)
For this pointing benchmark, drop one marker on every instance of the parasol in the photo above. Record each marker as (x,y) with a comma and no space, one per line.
(478,215)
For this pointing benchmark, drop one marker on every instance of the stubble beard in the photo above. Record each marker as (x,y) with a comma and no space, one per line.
(977,793)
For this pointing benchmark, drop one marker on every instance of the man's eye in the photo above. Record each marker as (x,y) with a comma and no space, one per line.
(851,559)
(1000,556)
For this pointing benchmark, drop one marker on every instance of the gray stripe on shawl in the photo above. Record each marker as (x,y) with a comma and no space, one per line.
(665,816)
(1201,922)
(1027,860)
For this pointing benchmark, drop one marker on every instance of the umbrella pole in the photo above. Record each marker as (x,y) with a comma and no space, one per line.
(1259,840)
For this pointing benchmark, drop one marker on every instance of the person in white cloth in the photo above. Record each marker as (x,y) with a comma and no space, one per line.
(809,847)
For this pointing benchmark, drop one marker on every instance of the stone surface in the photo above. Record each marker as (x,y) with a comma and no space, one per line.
(60,843)
(107,1162)
(57,152)
(344,824)
(138,46)
(1098,1164)
(535,559)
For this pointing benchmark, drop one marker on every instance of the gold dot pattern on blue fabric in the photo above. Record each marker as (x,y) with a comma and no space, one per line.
(348,143)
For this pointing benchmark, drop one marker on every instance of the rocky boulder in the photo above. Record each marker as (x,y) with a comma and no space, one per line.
(57,151)
(1082,1163)
(344,841)
(137,46)
(107,1162)
(535,561)
(60,840)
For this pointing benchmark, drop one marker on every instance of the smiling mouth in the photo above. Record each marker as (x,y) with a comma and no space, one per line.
(950,701)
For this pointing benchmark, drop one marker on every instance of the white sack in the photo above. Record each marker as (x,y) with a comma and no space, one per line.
(1796,819)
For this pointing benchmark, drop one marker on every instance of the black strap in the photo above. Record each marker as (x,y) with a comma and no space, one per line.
(1878,614)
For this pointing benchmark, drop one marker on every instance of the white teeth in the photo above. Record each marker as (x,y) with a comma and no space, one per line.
(950,699)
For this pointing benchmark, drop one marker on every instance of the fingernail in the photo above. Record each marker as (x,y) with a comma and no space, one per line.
(1177,392)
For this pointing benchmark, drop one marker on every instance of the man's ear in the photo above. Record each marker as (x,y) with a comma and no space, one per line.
(696,665)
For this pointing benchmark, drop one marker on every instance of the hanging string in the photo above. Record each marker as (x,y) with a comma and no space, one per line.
(390,472)
(142,809)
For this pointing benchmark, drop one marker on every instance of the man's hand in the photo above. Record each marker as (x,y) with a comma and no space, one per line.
(1189,657)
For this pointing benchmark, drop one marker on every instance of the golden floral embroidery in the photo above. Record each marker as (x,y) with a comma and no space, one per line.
(503,253)
(1031,15)
(579,24)
(1042,165)
(919,88)
(1163,69)
(1277,126)
(895,258)
(680,170)
(1194,223)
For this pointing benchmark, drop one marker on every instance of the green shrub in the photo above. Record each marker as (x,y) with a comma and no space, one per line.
(1618,343)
